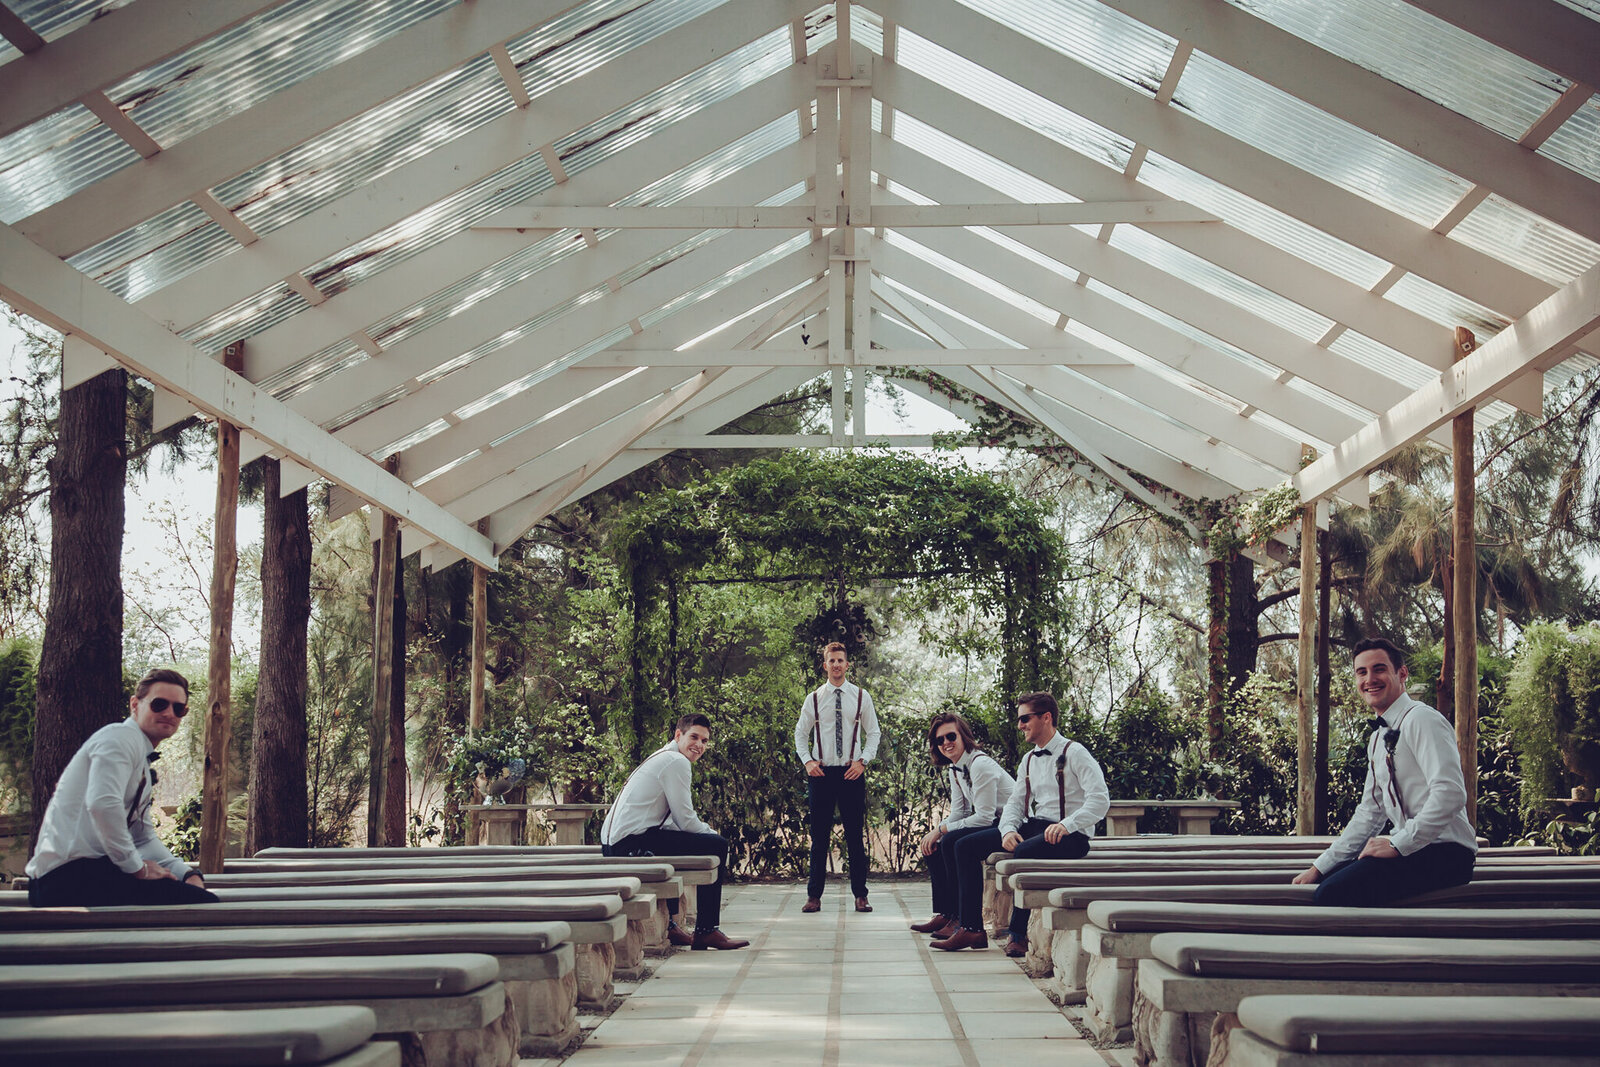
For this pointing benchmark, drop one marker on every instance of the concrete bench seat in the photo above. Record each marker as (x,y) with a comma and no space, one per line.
(694,870)
(595,924)
(1193,978)
(1342,1031)
(452,1007)
(283,852)
(326,1036)
(1118,935)
(535,960)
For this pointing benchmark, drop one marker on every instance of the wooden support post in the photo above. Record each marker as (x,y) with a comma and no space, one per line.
(1464,621)
(1305,688)
(382,669)
(219,677)
(1216,652)
(480,658)
(1319,812)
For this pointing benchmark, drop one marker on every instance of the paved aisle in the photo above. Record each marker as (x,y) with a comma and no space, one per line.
(835,989)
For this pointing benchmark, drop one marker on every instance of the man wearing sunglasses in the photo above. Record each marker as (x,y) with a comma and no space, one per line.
(1060,796)
(96,846)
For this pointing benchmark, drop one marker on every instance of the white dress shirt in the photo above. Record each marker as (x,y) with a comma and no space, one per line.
(656,796)
(977,795)
(1427,772)
(805,728)
(101,807)
(1086,799)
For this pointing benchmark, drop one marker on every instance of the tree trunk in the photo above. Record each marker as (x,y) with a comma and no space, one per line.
(80,664)
(1243,614)
(395,780)
(1217,650)
(278,813)
(456,646)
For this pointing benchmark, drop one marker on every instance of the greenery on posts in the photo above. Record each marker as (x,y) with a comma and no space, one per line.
(1553,712)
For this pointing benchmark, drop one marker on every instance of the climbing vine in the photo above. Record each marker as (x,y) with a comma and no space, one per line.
(838,522)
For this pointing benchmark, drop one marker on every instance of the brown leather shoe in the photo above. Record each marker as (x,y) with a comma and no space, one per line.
(933,925)
(948,930)
(677,935)
(715,939)
(1016,949)
(862,905)
(963,939)
(811,904)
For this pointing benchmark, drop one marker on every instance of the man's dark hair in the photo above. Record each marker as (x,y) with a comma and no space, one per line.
(155,677)
(969,743)
(1397,659)
(694,718)
(1039,704)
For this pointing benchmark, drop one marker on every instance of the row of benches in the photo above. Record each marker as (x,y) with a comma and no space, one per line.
(449,956)
(1199,950)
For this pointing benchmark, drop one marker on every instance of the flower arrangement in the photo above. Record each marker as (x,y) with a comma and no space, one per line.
(501,754)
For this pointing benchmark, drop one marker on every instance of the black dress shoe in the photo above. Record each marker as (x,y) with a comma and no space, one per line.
(715,939)
(862,905)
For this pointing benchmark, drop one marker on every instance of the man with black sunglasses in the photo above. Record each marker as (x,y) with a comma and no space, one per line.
(96,846)
(1051,814)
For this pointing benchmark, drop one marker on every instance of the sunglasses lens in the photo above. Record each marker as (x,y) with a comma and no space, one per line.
(1023,720)
(160,704)
(947,739)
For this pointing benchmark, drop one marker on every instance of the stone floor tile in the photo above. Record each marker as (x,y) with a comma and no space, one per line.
(664,1008)
(811,983)
(922,1053)
(1002,1024)
(898,1026)
(1017,1052)
(769,1054)
(809,1005)
(984,982)
(676,985)
(884,968)
(1021,1000)
(919,1003)
(636,1030)
(630,1056)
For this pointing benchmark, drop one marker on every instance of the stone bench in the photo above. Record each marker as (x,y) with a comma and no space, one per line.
(1118,935)
(449,1008)
(1192,978)
(535,959)
(444,851)
(640,908)
(596,923)
(1067,914)
(326,1036)
(1194,816)
(1422,1031)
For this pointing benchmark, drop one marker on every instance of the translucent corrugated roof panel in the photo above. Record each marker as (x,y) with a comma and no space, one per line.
(1577,143)
(1091,33)
(54,158)
(54,19)
(1529,242)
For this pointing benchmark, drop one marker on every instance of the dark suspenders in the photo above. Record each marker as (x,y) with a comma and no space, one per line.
(816,715)
(1061,783)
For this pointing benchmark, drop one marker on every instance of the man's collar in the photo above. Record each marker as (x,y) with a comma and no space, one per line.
(1053,746)
(967,757)
(1396,712)
(133,724)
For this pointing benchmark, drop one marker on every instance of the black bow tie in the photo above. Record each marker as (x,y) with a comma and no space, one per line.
(152,757)
(1040,752)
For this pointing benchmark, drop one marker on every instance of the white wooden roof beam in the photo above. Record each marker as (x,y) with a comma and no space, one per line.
(1540,31)
(288,118)
(519,303)
(577,381)
(1252,171)
(1370,102)
(803,216)
(449,168)
(1540,338)
(1188,303)
(108,49)
(1165,345)
(1253,259)
(39,284)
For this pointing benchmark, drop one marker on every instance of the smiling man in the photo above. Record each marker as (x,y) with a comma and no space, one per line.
(96,845)
(835,737)
(1414,785)
(654,816)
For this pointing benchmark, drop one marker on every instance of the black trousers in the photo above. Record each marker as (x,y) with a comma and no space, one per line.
(96,882)
(824,794)
(707,898)
(942,871)
(973,849)
(1373,882)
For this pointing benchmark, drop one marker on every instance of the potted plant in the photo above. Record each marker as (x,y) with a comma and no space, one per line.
(493,761)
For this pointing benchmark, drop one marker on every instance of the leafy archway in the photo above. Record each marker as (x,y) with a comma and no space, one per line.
(839,521)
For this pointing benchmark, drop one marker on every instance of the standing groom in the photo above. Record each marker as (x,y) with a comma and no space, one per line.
(836,737)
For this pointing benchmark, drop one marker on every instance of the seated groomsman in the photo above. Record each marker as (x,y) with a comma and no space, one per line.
(1413,784)
(979,788)
(97,846)
(1060,796)
(654,816)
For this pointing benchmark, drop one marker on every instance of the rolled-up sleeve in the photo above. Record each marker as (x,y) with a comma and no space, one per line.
(1096,799)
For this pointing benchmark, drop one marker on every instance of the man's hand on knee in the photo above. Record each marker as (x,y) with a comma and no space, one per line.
(1309,876)
(1379,848)
(1011,841)
(1054,833)
(931,841)
(152,871)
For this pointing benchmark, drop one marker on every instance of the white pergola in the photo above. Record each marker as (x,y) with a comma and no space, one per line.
(527,246)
